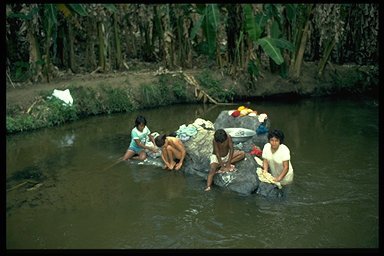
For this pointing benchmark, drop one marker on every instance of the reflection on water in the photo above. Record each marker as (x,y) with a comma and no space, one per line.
(65,188)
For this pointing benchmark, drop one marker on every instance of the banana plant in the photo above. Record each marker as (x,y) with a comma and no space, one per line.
(50,28)
(270,44)
(28,17)
(209,23)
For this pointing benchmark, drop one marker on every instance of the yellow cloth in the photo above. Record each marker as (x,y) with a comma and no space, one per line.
(267,177)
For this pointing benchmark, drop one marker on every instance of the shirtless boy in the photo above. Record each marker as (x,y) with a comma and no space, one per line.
(172,150)
(223,155)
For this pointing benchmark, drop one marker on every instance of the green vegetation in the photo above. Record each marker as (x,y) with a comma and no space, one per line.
(214,89)
(87,101)
(48,111)
(246,41)
(239,39)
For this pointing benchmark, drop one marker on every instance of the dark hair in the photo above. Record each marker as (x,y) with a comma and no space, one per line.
(140,120)
(220,135)
(160,140)
(278,134)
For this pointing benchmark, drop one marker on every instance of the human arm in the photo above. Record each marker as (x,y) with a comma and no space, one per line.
(284,171)
(154,150)
(140,144)
(180,147)
(165,160)
(265,165)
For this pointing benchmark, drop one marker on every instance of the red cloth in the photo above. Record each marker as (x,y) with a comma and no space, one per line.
(256,151)
(235,113)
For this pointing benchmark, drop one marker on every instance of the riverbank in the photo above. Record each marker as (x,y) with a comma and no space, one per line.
(148,85)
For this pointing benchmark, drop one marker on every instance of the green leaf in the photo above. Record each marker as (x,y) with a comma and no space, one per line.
(291,12)
(282,43)
(213,12)
(49,19)
(253,69)
(261,19)
(79,9)
(110,7)
(210,25)
(23,16)
(275,30)
(271,50)
(251,26)
(196,27)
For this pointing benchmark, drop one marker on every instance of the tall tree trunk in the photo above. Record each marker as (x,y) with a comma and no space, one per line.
(90,48)
(295,73)
(117,40)
(47,58)
(324,60)
(34,54)
(100,29)
(233,31)
(158,31)
(71,53)
(300,53)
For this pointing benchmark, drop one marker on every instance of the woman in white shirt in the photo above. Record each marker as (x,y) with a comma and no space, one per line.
(276,158)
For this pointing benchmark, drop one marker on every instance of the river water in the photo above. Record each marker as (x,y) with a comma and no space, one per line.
(65,192)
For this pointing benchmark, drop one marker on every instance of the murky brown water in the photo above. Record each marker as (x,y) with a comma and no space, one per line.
(71,201)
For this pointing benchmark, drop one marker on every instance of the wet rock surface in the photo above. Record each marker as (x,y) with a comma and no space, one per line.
(244,179)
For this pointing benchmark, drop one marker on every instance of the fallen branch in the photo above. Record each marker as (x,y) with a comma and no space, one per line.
(33,104)
(20,185)
(199,93)
(10,80)
(125,65)
(96,70)
(117,161)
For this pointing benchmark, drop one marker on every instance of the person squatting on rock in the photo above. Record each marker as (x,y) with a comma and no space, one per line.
(276,158)
(139,135)
(172,151)
(223,156)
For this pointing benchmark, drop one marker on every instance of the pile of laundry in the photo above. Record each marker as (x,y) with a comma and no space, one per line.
(265,176)
(185,132)
(242,111)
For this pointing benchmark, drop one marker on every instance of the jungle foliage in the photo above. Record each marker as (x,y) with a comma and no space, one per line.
(45,39)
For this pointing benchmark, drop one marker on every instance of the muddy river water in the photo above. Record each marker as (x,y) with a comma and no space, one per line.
(62,195)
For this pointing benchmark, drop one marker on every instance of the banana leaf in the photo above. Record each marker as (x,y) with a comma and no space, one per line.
(210,25)
(79,9)
(282,44)
(251,25)
(196,27)
(271,50)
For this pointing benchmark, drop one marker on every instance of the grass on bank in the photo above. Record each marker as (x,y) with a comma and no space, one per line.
(104,99)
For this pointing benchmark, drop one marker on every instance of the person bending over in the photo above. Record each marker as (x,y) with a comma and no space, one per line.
(139,136)
(276,158)
(223,155)
(172,151)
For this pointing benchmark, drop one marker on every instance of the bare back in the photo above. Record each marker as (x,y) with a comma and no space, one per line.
(175,143)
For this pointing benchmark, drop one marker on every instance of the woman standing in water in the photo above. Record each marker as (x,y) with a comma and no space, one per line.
(276,158)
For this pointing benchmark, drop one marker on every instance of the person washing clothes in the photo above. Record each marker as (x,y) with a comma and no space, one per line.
(276,158)
(223,155)
(139,135)
(172,151)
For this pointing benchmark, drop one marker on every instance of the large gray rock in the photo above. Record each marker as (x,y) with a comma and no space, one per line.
(224,120)
(244,180)
(199,150)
